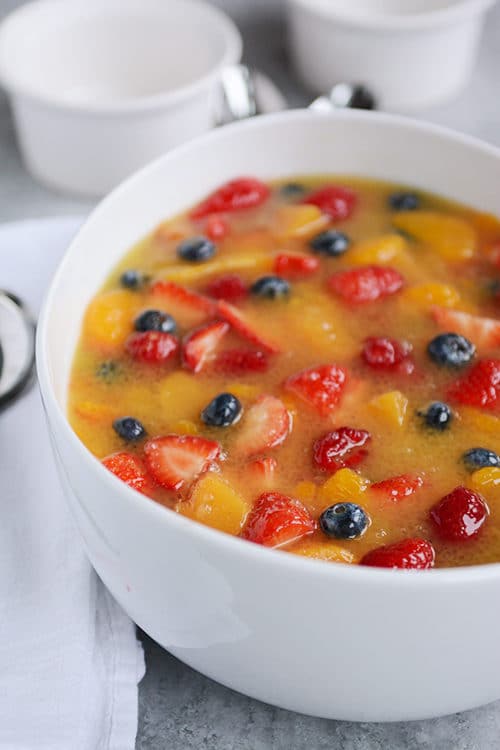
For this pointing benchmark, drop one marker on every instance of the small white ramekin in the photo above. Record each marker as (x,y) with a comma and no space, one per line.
(410,53)
(100,87)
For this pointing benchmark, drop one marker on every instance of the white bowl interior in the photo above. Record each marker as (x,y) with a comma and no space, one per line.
(380,9)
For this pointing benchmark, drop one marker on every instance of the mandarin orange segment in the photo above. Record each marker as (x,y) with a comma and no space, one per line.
(299,221)
(344,485)
(452,237)
(215,503)
(183,274)
(486,479)
(109,318)
(379,251)
(327,551)
(432,293)
(391,407)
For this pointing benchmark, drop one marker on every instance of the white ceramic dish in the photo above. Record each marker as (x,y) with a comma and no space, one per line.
(101,87)
(410,53)
(336,641)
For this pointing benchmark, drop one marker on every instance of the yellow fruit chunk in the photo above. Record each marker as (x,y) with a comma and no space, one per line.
(391,407)
(344,485)
(325,551)
(487,478)
(109,318)
(432,293)
(299,221)
(305,491)
(244,390)
(377,251)
(215,503)
(185,274)
(185,427)
(451,237)
(474,419)
(94,412)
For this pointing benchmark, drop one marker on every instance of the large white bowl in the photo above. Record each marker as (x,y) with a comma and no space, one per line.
(329,640)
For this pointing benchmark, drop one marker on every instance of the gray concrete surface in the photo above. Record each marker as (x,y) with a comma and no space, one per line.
(180,709)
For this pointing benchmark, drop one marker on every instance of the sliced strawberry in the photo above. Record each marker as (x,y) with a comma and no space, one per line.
(277,519)
(266,424)
(479,386)
(366,283)
(175,460)
(199,347)
(229,287)
(295,265)
(216,228)
(241,362)
(237,321)
(131,470)
(178,298)
(263,468)
(459,515)
(321,387)
(236,195)
(344,447)
(483,332)
(335,200)
(384,353)
(415,554)
(153,347)
(397,488)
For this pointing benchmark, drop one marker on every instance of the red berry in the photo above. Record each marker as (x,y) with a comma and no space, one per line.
(277,519)
(216,228)
(295,265)
(263,468)
(174,460)
(131,470)
(231,288)
(241,362)
(341,448)
(153,347)
(266,424)
(409,553)
(321,387)
(242,326)
(336,201)
(397,488)
(236,195)
(366,284)
(460,515)
(382,353)
(479,386)
(199,347)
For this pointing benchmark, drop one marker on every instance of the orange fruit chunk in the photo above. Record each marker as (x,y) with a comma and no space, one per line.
(451,237)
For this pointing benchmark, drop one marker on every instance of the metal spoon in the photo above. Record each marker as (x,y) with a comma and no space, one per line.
(17,345)
(345,96)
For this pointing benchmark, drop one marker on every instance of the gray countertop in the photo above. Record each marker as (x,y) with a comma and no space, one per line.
(180,709)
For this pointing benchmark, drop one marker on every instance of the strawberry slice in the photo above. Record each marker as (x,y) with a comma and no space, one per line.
(236,195)
(366,283)
(131,470)
(241,362)
(479,386)
(175,460)
(417,554)
(276,520)
(263,468)
(266,424)
(182,302)
(152,347)
(199,346)
(321,387)
(335,200)
(229,287)
(216,228)
(483,332)
(237,321)
(295,265)
(397,488)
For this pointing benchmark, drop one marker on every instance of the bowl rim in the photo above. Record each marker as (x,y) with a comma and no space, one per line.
(14,22)
(258,554)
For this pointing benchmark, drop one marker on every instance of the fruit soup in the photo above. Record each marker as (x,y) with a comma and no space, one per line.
(311,365)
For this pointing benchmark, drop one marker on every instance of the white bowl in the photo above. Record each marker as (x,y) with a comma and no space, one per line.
(409,53)
(337,641)
(101,87)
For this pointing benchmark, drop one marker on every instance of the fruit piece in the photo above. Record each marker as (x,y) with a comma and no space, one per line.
(270,287)
(344,521)
(480,458)
(95,412)
(330,243)
(433,293)
(222,411)
(391,406)
(378,251)
(235,195)
(417,554)
(486,479)
(397,488)
(295,265)
(276,520)
(108,319)
(214,502)
(229,287)
(216,228)
(152,347)
(451,350)
(334,200)
(343,447)
(479,386)
(383,353)
(196,249)
(129,428)
(175,460)
(181,298)
(264,468)
(321,387)
(365,284)
(199,347)
(438,416)
(298,221)
(195,272)
(238,321)
(324,551)
(236,362)
(459,515)
(344,485)
(404,201)
(155,320)
(483,332)
(131,470)
(132,279)
(266,425)
(451,237)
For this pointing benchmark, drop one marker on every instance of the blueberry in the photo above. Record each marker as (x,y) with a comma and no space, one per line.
(270,287)
(223,411)
(451,349)
(403,201)
(155,320)
(330,243)
(344,521)
(292,190)
(196,249)
(107,371)
(132,279)
(480,458)
(129,428)
(438,416)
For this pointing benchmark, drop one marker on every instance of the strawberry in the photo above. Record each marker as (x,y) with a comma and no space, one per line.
(321,387)
(178,296)
(409,553)
(266,424)
(174,460)
(153,347)
(479,386)
(131,470)
(366,283)
(237,321)
(342,448)
(230,287)
(236,195)
(216,228)
(199,346)
(336,201)
(263,468)
(483,332)
(295,265)
(241,362)
(397,488)
(459,515)
(383,353)
(277,519)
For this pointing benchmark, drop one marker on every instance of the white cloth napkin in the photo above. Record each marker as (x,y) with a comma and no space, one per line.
(69,658)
